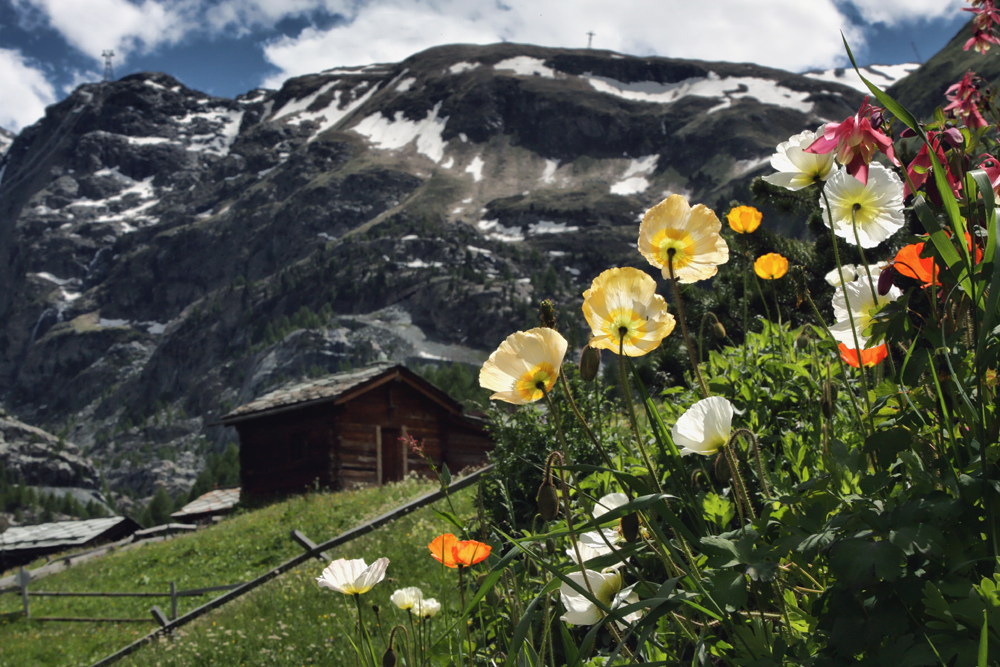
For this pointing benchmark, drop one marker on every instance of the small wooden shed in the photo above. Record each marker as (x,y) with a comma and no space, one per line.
(343,431)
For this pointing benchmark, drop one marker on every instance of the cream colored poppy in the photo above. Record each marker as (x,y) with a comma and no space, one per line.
(523,363)
(690,234)
(622,307)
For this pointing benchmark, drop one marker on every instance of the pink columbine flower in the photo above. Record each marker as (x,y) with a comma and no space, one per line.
(991,166)
(964,97)
(981,41)
(985,14)
(921,167)
(856,141)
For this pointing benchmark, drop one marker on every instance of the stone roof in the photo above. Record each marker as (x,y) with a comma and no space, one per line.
(218,500)
(328,388)
(59,534)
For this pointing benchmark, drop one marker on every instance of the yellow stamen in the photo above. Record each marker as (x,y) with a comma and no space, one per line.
(527,386)
(625,319)
(677,240)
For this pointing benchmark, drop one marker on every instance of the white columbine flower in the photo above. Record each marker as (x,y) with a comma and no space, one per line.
(876,207)
(607,587)
(705,427)
(353,577)
(796,168)
(428,608)
(861,304)
(407,598)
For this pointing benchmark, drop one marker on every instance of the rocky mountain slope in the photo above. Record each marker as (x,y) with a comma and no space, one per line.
(6,139)
(166,255)
(924,90)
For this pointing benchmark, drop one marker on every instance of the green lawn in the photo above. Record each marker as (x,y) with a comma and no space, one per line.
(287,621)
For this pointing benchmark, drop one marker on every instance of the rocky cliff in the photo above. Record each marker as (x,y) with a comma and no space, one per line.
(166,255)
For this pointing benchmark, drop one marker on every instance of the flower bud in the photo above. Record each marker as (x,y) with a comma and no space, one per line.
(885,280)
(630,527)
(828,400)
(954,136)
(802,341)
(389,658)
(548,501)
(547,314)
(590,363)
(719,330)
(550,547)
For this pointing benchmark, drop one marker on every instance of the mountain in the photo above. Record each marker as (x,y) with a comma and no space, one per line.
(6,139)
(167,255)
(924,89)
(882,76)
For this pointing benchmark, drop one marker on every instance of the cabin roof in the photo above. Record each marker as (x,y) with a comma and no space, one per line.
(60,534)
(214,501)
(337,388)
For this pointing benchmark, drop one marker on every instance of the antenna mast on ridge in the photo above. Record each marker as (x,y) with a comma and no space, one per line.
(590,38)
(109,71)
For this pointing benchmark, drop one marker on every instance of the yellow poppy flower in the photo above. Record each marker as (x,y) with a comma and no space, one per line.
(770,266)
(690,234)
(622,306)
(744,219)
(524,361)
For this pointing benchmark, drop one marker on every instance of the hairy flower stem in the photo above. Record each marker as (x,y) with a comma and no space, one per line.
(633,422)
(840,362)
(364,639)
(461,592)
(593,439)
(764,480)
(871,283)
(741,489)
(684,330)
(850,314)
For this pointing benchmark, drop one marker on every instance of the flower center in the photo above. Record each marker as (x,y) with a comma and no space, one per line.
(529,385)
(864,211)
(677,240)
(623,325)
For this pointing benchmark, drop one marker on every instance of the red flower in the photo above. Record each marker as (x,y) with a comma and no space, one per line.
(986,14)
(909,263)
(965,97)
(921,166)
(856,142)
(869,357)
(981,41)
(449,550)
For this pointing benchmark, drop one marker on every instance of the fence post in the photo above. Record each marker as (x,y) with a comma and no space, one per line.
(23,577)
(173,600)
(158,615)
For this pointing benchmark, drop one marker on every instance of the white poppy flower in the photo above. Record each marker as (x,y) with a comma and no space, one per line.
(705,427)
(592,545)
(796,168)
(833,277)
(353,577)
(857,296)
(607,587)
(407,598)
(876,207)
(428,608)
(609,502)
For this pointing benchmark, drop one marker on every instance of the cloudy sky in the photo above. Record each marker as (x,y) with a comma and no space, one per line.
(228,47)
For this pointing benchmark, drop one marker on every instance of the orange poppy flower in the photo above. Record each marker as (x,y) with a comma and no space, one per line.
(869,357)
(909,263)
(449,550)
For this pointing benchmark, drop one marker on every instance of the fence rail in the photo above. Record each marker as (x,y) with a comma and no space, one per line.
(309,554)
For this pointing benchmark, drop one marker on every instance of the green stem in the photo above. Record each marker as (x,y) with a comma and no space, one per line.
(630,409)
(365,638)
(684,330)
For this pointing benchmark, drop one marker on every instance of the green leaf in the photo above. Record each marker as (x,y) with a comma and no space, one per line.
(859,563)
(728,588)
(984,642)
(445,476)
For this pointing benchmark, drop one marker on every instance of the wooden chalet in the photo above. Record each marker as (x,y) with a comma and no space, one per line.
(343,431)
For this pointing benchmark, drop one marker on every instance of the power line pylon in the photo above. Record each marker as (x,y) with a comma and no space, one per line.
(109,71)
(590,38)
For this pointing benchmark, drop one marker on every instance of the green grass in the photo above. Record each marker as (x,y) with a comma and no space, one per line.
(287,621)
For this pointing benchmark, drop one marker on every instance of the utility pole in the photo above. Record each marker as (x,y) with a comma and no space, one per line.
(109,71)
(590,38)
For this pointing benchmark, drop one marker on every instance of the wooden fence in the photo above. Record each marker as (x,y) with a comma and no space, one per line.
(314,551)
(24,578)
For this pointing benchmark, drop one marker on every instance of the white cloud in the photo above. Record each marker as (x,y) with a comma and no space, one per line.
(26,92)
(895,12)
(96,25)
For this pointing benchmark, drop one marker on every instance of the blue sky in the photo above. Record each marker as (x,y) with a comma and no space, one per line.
(228,47)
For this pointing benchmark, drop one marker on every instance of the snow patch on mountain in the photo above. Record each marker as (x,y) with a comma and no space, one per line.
(397,132)
(724,89)
(526,66)
(633,181)
(6,139)
(882,76)
(222,124)
(476,169)
(330,116)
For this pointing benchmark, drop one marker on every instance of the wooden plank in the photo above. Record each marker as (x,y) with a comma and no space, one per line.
(158,616)
(91,620)
(343,538)
(308,544)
